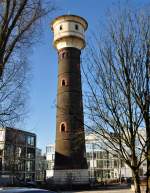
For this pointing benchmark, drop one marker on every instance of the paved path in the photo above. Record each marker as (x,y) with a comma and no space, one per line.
(103,191)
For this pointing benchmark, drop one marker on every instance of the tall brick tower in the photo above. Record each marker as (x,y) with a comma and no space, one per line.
(70,155)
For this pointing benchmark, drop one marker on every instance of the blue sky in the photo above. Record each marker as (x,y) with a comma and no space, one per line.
(43,87)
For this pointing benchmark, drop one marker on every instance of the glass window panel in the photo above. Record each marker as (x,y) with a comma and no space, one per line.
(30,140)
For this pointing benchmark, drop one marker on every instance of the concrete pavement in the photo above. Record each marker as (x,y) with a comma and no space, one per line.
(102,191)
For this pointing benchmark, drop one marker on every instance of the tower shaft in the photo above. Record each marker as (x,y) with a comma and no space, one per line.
(70,140)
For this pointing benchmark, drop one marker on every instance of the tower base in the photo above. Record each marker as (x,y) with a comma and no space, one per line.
(74,176)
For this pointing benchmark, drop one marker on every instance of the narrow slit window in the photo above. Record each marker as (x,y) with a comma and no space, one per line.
(63,55)
(60,27)
(76,27)
(63,127)
(63,83)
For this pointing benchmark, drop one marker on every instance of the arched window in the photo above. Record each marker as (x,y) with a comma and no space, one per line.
(63,127)
(63,55)
(76,27)
(60,27)
(63,83)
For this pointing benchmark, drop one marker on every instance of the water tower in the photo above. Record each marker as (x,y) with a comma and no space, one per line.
(70,155)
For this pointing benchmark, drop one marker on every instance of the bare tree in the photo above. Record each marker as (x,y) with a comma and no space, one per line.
(13,93)
(117,100)
(19,23)
(20,27)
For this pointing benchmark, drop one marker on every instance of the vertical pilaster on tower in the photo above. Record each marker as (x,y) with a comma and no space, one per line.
(70,154)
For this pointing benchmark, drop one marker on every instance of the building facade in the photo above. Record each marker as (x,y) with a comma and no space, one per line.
(40,165)
(17,155)
(102,164)
(50,157)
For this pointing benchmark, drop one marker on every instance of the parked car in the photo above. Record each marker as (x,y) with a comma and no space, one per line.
(25,190)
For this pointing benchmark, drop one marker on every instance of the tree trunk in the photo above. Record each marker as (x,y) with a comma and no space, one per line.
(1,67)
(148,172)
(136,182)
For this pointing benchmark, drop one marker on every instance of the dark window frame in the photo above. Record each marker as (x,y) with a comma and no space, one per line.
(60,27)
(76,27)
